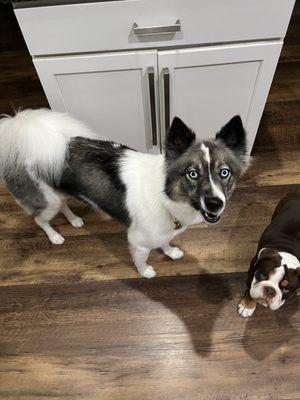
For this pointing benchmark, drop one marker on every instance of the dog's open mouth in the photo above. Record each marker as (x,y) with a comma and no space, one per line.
(210,217)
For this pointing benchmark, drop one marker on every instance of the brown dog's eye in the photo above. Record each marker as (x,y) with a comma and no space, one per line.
(263,276)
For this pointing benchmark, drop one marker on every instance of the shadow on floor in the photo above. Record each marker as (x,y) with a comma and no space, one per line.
(196,300)
(267,327)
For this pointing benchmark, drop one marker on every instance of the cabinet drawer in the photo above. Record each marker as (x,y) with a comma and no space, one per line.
(105,26)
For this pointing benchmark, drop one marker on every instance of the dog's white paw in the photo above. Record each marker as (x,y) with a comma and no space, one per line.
(77,222)
(56,238)
(174,253)
(244,311)
(147,272)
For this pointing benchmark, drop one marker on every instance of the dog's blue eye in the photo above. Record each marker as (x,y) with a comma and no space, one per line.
(224,173)
(193,174)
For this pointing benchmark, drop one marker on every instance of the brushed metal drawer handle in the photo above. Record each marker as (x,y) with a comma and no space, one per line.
(156,29)
(166,80)
(151,82)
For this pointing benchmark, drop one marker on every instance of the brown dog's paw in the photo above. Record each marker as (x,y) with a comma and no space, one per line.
(246,307)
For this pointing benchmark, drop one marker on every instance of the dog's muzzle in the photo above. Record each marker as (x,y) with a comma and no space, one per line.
(213,207)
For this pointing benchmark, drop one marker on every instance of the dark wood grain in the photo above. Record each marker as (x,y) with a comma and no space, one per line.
(76,321)
(19,84)
(291,48)
(169,338)
(99,250)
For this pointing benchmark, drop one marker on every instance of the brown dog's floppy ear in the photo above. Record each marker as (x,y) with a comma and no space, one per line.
(266,259)
(268,253)
(291,278)
(297,273)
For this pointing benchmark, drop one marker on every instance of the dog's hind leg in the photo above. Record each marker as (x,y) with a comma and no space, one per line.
(43,222)
(54,203)
(37,199)
(71,217)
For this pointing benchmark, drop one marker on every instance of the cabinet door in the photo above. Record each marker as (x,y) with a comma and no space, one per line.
(207,86)
(110,92)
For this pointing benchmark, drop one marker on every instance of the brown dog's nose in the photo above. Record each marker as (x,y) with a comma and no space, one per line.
(269,292)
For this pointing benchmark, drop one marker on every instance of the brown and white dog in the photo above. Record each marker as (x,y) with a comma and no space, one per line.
(274,273)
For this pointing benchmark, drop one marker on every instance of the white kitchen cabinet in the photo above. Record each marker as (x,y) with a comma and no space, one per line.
(207,86)
(127,67)
(109,91)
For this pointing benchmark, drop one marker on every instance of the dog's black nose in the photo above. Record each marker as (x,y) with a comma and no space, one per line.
(269,292)
(213,204)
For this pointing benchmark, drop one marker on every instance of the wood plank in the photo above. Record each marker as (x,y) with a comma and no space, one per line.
(170,338)
(291,48)
(19,83)
(285,86)
(279,126)
(273,167)
(99,251)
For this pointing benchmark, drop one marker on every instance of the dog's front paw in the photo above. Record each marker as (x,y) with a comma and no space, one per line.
(147,272)
(56,238)
(174,253)
(77,222)
(244,311)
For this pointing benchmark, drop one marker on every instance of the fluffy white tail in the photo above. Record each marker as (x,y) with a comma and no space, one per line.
(37,139)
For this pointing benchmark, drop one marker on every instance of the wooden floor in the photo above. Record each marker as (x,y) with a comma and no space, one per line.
(76,321)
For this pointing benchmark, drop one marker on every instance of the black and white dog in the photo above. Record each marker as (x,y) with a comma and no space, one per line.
(45,155)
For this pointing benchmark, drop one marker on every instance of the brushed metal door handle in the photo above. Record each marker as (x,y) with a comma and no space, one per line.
(166,83)
(152,95)
(156,29)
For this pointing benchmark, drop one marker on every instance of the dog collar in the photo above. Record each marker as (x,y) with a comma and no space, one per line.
(177,225)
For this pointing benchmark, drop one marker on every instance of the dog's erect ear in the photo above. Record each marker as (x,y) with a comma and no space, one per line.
(233,135)
(179,138)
